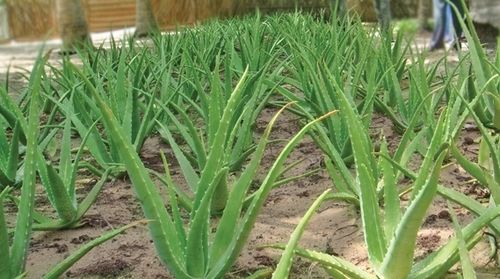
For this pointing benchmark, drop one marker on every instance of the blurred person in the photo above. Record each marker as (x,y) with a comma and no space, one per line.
(382,9)
(447,29)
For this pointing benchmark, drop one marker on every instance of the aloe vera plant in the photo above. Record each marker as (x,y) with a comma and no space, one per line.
(203,90)
(390,236)
(200,258)
(60,185)
(486,73)
(239,143)
(13,257)
(121,69)
(342,57)
(486,171)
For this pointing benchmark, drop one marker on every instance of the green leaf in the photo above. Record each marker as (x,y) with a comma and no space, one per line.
(243,231)
(438,263)
(229,221)
(62,200)
(347,269)
(65,165)
(467,266)
(392,211)
(24,218)
(4,240)
(179,225)
(188,171)
(197,241)
(13,159)
(399,258)
(367,179)
(469,203)
(285,264)
(161,226)
(92,195)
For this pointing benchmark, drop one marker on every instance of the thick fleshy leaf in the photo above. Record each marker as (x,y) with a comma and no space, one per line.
(285,264)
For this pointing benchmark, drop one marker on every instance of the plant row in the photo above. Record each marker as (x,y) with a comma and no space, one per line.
(202,90)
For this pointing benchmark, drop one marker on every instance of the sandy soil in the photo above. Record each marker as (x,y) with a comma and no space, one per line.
(335,229)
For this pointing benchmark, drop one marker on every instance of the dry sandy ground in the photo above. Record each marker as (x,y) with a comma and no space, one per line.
(335,229)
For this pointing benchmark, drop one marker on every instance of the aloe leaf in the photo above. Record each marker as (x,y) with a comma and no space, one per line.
(4,145)
(13,159)
(469,203)
(130,108)
(46,224)
(12,114)
(241,235)
(496,111)
(457,197)
(65,155)
(221,193)
(37,217)
(187,169)
(467,266)
(285,264)
(189,134)
(472,94)
(95,143)
(161,227)
(183,199)
(71,180)
(24,218)
(4,180)
(438,137)
(399,258)
(348,269)
(495,153)
(263,273)
(344,179)
(196,251)
(366,177)
(215,106)
(62,201)
(471,168)
(229,221)
(339,183)
(179,225)
(63,266)
(478,56)
(92,195)
(392,211)
(9,116)
(4,240)
(439,262)
(148,118)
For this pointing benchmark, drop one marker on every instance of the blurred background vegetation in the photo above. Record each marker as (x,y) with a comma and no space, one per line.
(37,19)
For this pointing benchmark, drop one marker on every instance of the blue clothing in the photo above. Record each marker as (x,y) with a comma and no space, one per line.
(447,29)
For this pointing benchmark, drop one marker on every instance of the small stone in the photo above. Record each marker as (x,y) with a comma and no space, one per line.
(468,140)
(444,214)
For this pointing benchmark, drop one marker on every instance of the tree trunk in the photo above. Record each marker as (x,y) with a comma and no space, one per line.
(145,22)
(72,25)
(383,8)
(339,6)
(423,14)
